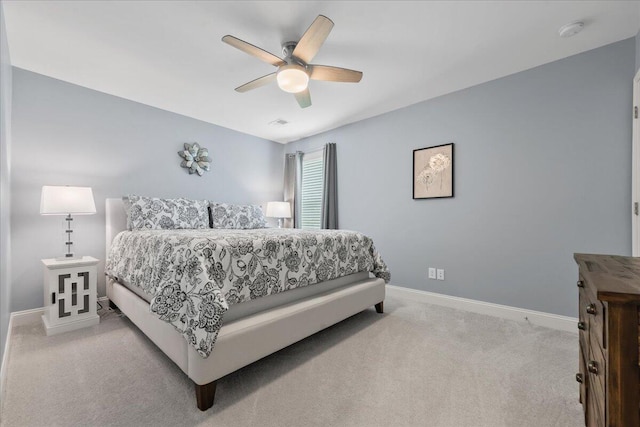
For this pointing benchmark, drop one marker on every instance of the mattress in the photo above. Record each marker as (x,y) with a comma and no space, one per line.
(192,277)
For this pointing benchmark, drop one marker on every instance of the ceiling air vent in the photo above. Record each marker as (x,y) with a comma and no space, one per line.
(278,122)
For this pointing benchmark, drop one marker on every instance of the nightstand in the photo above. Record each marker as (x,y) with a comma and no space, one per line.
(69,294)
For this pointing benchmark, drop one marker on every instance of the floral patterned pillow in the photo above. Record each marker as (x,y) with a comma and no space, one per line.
(154,213)
(226,215)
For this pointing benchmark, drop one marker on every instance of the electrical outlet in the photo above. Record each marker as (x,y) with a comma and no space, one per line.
(441,274)
(432,273)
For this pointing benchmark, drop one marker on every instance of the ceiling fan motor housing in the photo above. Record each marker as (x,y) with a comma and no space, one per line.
(287,50)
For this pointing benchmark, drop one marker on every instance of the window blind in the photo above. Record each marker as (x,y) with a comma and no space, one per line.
(311,194)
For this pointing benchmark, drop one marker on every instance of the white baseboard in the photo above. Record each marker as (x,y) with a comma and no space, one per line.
(19,318)
(24,317)
(539,318)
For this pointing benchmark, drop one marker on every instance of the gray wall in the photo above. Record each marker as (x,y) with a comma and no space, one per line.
(637,39)
(66,134)
(5,190)
(542,170)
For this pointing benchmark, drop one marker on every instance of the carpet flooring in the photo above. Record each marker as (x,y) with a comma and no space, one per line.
(415,365)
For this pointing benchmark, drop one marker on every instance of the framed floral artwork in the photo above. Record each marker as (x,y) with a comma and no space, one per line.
(433,172)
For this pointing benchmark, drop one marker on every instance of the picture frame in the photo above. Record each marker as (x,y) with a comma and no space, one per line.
(433,172)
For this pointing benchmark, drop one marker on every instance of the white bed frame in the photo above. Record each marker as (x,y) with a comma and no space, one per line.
(247,339)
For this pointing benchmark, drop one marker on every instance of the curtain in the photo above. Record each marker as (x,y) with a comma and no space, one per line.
(329,219)
(292,185)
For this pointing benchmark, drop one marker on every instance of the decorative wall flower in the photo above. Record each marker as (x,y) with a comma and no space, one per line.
(196,158)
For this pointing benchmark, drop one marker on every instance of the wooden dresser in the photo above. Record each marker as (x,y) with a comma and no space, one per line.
(609,331)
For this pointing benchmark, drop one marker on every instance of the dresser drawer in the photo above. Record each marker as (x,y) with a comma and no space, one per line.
(582,377)
(593,417)
(583,322)
(592,312)
(597,376)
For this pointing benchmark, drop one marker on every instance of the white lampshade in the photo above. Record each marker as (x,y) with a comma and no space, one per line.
(292,78)
(278,210)
(64,200)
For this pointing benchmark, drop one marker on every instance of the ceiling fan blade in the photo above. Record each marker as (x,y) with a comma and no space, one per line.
(252,50)
(313,38)
(303,98)
(259,82)
(334,74)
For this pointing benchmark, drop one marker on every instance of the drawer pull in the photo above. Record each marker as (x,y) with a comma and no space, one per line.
(579,378)
(582,326)
(591,308)
(593,367)
(580,283)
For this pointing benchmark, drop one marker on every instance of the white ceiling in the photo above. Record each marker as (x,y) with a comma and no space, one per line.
(168,54)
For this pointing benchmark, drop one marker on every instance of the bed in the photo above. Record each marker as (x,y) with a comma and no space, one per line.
(250,330)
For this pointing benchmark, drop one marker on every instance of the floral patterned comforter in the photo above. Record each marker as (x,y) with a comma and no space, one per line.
(194,275)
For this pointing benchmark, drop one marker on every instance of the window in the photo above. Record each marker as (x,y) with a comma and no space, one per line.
(311,192)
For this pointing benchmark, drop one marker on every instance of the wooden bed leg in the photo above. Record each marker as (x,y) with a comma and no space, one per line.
(112,306)
(380,307)
(205,394)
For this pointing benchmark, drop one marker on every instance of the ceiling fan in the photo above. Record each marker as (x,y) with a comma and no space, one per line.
(294,70)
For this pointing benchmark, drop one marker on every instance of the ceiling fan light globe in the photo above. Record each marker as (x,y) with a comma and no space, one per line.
(292,78)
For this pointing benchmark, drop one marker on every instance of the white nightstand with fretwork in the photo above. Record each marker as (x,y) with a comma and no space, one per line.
(70,294)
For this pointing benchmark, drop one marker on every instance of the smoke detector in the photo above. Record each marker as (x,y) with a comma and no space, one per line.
(570,29)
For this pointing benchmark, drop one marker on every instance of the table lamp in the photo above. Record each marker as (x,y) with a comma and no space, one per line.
(279,210)
(66,200)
